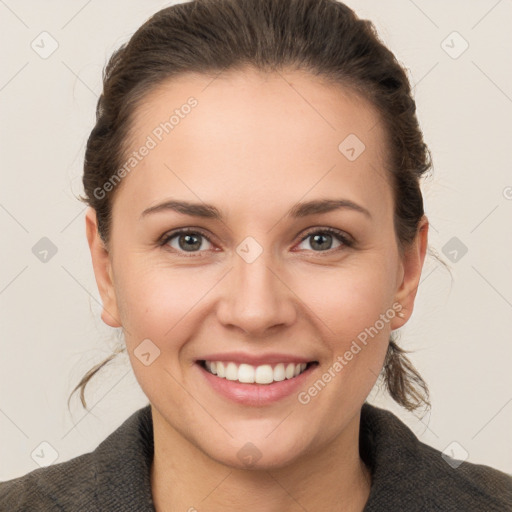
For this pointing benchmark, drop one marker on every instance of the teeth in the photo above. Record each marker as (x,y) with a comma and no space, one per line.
(246,373)
(279,372)
(232,371)
(264,374)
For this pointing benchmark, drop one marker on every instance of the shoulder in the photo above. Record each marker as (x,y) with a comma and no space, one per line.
(462,485)
(115,476)
(43,488)
(411,475)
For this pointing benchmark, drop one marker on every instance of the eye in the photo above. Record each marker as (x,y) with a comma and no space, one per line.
(192,240)
(322,239)
(185,240)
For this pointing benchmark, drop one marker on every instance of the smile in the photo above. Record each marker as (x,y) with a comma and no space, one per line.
(255,380)
(250,374)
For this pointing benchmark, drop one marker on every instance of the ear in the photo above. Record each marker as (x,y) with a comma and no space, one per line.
(412,265)
(102,270)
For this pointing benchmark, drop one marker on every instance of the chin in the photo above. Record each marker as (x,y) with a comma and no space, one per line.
(262,454)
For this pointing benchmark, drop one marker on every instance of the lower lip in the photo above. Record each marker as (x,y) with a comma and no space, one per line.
(256,394)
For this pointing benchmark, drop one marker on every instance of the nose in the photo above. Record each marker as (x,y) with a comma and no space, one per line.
(256,297)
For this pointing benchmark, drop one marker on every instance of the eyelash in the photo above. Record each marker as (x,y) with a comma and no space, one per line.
(340,235)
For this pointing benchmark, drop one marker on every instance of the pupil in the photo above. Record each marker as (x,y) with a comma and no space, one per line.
(325,237)
(187,245)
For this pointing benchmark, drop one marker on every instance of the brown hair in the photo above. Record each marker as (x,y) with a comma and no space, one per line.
(322,37)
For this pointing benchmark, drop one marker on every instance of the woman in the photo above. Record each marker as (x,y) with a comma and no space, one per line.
(257,230)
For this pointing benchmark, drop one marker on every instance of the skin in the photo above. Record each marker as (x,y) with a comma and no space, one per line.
(255,145)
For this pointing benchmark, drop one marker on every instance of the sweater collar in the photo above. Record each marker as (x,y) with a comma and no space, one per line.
(128,454)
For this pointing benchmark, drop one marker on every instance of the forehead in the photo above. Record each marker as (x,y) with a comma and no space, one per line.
(259,104)
(254,133)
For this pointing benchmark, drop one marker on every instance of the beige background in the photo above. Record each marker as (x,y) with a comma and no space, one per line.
(51,331)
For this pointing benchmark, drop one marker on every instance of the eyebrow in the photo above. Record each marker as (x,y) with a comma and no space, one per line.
(299,210)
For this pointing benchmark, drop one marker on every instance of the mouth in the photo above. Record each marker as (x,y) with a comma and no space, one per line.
(263,374)
(256,385)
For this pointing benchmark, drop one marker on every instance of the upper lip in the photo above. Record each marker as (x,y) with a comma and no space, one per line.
(255,359)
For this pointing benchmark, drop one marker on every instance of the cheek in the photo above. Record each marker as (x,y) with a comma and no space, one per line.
(147,293)
(163,304)
(350,298)
(159,305)
(353,308)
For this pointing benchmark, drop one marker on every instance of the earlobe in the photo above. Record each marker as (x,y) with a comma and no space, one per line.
(102,270)
(412,263)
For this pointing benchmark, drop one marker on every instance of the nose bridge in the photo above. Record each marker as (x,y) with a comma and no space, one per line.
(257,298)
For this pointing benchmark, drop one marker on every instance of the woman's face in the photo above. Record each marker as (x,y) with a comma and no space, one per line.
(264,278)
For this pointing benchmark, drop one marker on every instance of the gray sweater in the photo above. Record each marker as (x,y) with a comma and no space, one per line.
(407,475)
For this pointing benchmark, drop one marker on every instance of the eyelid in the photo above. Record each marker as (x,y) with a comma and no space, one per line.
(187,229)
(342,236)
(167,236)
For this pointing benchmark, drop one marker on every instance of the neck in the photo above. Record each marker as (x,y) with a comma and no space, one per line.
(331,478)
